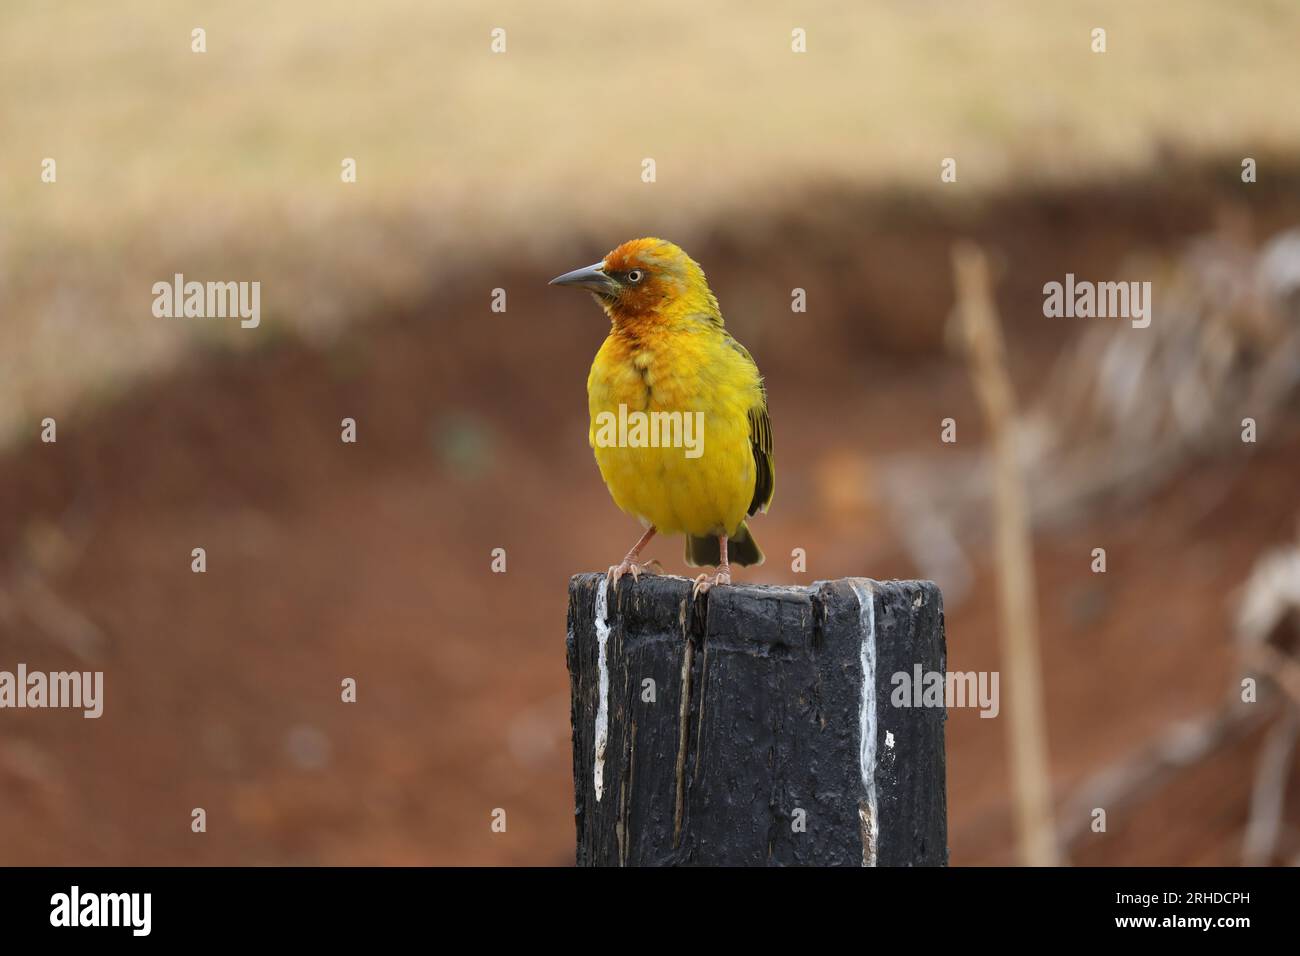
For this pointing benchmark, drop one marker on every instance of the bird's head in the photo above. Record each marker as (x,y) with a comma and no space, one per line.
(647,280)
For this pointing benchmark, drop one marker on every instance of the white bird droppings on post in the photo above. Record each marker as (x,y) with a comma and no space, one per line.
(864,588)
(889,739)
(602,709)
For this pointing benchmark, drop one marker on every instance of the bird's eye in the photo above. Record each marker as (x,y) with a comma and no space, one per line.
(634,276)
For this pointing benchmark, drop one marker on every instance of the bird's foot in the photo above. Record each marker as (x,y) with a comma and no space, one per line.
(706,581)
(628,566)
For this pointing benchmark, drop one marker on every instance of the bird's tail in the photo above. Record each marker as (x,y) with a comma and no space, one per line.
(742,549)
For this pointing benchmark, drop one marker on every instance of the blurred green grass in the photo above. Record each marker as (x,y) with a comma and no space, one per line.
(225,165)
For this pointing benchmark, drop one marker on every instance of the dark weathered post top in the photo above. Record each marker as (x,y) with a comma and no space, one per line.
(754,725)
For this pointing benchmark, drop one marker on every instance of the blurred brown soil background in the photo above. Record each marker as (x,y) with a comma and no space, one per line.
(328,560)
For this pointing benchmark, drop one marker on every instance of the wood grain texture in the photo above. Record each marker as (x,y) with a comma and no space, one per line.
(756,715)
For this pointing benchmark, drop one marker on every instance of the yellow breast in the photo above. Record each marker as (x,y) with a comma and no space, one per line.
(670,428)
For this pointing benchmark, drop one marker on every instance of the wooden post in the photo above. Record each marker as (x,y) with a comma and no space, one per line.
(756,725)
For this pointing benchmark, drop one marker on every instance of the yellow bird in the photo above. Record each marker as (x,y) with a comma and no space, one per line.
(679,422)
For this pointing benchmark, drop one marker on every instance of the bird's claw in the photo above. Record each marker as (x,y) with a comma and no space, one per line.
(706,581)
(627,566)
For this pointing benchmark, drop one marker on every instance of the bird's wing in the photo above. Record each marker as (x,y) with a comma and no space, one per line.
(760,439)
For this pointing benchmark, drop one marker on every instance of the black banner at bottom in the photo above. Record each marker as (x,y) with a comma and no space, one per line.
(302,905)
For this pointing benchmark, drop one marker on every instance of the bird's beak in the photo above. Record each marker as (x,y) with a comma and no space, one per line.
(592,278)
